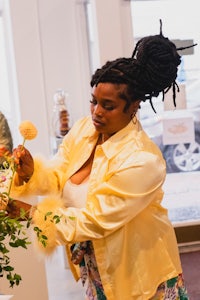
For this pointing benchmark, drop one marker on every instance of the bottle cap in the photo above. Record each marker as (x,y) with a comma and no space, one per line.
(59,96)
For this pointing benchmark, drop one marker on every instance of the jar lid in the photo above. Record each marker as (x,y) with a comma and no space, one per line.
(59,96)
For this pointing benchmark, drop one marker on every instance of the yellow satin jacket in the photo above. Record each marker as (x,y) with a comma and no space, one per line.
(134,241)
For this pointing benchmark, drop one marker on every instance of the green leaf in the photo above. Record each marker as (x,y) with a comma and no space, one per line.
(47,215)
(8,268)
(12,235)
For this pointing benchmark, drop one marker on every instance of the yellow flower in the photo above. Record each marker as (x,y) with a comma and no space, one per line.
(27,130)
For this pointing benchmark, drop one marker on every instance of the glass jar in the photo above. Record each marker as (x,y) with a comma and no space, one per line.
(60,115)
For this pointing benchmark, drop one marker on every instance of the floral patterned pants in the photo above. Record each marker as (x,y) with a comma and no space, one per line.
(172,289)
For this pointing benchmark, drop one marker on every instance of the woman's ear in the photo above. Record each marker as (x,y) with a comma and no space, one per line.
(134,107)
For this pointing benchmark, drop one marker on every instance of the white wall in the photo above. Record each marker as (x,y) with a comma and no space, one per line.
(114,35)
(29,68)
(50,52)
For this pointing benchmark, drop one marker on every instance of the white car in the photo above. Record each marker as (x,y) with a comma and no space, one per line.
(181,157)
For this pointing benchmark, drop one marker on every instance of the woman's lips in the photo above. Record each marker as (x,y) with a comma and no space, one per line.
(97,123)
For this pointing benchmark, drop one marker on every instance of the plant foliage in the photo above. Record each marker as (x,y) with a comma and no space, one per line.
(12,235)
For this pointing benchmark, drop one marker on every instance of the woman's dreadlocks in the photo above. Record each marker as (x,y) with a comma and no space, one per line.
(151,70)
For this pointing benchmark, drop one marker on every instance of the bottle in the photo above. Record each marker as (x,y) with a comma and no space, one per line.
(60,119)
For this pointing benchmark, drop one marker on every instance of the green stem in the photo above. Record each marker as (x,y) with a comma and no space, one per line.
(13,172)
(23,143)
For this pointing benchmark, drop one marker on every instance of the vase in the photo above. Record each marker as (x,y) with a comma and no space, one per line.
(5,297)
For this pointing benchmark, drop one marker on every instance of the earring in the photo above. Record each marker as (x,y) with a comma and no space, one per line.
(134,117)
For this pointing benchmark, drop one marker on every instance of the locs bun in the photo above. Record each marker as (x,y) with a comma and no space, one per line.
(152,69)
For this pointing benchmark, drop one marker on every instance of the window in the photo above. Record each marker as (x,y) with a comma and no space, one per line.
(180,21)
(8,95)
(182,29)
(4,87)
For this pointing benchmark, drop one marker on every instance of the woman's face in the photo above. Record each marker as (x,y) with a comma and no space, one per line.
(107,108)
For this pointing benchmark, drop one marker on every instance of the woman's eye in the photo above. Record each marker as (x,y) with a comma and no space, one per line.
(108,107)
(105,106)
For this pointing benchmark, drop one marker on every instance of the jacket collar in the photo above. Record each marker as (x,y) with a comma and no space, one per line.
(116,142)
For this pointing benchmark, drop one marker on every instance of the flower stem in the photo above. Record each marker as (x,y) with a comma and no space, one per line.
(23,143)
(13,172)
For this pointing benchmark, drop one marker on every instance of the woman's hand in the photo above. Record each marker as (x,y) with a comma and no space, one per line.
(24,163)
(15,208)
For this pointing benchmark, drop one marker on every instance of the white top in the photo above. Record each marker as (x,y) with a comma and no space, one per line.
(75,195)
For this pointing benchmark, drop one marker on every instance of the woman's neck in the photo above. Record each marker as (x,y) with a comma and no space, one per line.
(102,138)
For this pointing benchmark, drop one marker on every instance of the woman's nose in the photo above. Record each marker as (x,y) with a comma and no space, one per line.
(98,110)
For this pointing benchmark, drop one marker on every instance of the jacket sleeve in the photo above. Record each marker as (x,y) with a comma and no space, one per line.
(43,180)
(49,174)
(111,205)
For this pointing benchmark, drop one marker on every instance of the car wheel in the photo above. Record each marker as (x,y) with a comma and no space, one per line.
(183,157)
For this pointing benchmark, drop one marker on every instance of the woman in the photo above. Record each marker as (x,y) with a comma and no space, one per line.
(104,186)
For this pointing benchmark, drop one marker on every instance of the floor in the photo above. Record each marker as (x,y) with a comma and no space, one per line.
(191,269)
(61,284)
